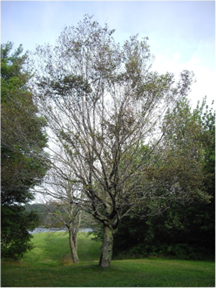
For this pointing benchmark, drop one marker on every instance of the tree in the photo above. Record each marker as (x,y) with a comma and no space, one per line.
(185,229)
(69,216)
(61,191)
(104,105)
(24,161)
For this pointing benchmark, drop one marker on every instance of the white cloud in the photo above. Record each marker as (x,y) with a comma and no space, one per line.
(205,78)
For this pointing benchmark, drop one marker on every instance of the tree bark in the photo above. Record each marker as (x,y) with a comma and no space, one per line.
(107,247)
(73,246)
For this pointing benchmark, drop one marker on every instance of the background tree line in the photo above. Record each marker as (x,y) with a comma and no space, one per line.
(48,220)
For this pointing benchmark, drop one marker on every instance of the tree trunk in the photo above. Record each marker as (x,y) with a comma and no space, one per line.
(107,246)
(75,241)
(73,246)
(76,230)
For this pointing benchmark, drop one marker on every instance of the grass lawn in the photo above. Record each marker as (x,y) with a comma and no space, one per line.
(49,265)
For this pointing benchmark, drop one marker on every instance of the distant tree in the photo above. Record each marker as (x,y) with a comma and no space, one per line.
(24,162)
(69,215)
(104,105)
(60,192)
(40,209)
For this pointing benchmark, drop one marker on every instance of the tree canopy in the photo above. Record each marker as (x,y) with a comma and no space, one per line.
(24,162)
(112,115)
(183,231)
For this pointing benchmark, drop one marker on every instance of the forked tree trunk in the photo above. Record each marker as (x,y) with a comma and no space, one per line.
(73,246)
(107,247)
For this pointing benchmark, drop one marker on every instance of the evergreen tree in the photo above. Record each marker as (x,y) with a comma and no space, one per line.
(24,162)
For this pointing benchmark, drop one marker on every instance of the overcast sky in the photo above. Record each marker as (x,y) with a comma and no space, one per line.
(181,33)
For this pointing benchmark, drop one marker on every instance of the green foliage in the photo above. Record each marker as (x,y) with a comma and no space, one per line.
(47,220)
(24,162)
(15,238)
(164,235)
(186,229)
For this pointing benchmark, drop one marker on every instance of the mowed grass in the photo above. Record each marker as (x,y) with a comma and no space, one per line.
(49,265)
(52,248)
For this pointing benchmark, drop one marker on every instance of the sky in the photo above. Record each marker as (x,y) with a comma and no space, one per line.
(181,33)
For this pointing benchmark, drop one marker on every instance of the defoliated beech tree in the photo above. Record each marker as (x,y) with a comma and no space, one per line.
(105,106)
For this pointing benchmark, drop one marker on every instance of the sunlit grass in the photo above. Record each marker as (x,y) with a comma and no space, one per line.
(49,265)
